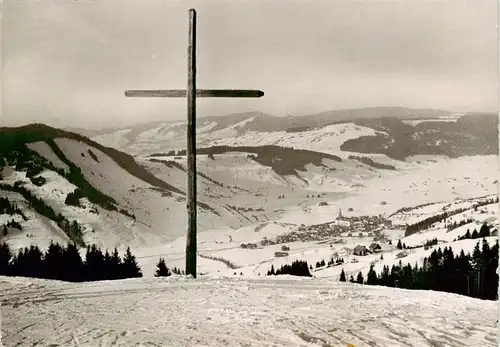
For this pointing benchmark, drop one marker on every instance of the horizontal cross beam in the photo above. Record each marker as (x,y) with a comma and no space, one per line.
(203,93)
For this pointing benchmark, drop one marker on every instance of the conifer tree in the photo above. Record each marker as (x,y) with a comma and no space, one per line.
(5,257)
(399,245)
(467,234)
(54,261)
(108,274)
(477,264)
(342,276)
(484,231)
(475,234)
(130,266)
(359,279)
(116,265)
(94,264)
(371,278)
(162,269)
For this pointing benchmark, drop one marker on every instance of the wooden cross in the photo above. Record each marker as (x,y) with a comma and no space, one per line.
(191,93)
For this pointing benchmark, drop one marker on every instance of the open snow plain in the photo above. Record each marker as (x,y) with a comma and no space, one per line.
(283,311)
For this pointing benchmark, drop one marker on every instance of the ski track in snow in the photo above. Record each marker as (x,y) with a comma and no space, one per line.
(284,311)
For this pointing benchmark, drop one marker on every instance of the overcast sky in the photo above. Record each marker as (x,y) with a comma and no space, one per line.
(68,63)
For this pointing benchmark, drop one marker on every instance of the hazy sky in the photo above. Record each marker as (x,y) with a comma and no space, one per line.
(68,63)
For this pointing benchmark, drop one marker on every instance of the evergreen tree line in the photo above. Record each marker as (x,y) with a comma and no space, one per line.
(455,225)
(427,244)
(484,231)
(73,198)
(26,159)
(6,207)
(65,263)
(359,278)
(331,262)
(466,274)
(72,229)
(427,223)
(162,269)
(76,177)
(11,224)
(298,268)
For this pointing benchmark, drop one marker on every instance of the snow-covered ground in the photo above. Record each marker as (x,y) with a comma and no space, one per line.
(168,136)
(327,139)
(282,311)
(243,308)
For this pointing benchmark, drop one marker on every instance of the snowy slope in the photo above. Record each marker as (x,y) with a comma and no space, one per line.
(45,151)
(167,136)
(282,311)
(327,139)
(37,229)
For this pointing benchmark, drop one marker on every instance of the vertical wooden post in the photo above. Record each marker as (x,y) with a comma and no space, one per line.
(191,148)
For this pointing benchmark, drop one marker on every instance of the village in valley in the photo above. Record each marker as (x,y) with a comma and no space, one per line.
(353,238)
(338,231)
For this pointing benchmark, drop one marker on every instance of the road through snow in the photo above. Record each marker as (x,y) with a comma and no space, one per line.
(280,311)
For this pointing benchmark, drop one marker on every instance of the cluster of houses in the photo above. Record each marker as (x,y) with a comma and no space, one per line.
(375,248)
(363,223)
(363,250)
(283,253)
(248,245)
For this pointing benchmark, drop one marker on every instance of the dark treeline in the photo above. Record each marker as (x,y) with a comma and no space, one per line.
(162,269)
(428,244)
(330,263)
(428,222)
(372,163)
(455,225)
(72,229)
(6,207)
(425,223)
(466,274)
(11,224)
(65,263)
(25,159)
(290,159)
(485,231)
(298,268)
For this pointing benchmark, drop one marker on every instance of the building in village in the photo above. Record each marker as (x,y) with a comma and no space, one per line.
(360,250)
(375,248)
(342,221)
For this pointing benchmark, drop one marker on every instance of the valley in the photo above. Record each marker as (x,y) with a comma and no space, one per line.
(266,199)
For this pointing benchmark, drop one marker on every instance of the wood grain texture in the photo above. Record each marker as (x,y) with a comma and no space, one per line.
(200,93)
(191,247)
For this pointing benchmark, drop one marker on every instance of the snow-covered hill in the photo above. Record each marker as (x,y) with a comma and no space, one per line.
(282,311)
(140,202)
(252,201)
(396,132)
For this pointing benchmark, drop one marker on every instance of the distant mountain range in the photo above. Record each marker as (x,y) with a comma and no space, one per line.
(393,131)
(266,123)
